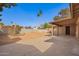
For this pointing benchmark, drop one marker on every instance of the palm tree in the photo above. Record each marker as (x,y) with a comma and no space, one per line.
(39,13)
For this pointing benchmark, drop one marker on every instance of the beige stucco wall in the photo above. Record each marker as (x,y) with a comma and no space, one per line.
(72,30)
(77,28)
(59,30)
(62,30)
(55,30)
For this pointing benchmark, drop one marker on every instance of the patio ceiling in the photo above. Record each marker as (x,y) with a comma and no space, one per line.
(65,22)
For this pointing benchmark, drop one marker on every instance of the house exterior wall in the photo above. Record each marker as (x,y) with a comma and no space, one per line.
(77,28)
(62,30)
(55,30)
(59,30)
(73,30)
(73,23)
(75,14)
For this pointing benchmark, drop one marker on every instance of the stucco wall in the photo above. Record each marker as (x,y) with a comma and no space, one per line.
(72,30)
(59,30)
(77,28)
(62,30)
(55,30)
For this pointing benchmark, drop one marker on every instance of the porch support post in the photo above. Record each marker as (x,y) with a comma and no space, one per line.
(58,30)
(77,28)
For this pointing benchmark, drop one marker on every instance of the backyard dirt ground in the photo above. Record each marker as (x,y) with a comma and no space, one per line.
(6,39)
(38,44)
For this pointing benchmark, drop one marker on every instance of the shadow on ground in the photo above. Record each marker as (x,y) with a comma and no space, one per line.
(63,46)
(5,39)
(19,50)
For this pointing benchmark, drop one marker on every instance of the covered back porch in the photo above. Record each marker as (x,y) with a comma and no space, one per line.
(64,27)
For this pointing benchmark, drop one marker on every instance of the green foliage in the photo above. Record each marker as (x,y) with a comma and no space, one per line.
(56,17)
(6,5)
(1,23)
(17,29)
(1,9)
(46,25)
(39,13)
(64,12)
(9,5)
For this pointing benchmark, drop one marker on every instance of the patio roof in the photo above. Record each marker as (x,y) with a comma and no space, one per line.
(61,22)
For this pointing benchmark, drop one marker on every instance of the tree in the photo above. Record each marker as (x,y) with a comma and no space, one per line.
(1,23)
(18,29)
(56,17)
(47,25)
(39,13)
(64,12)
(6,5)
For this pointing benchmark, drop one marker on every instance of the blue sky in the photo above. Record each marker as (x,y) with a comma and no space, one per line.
(25,14)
